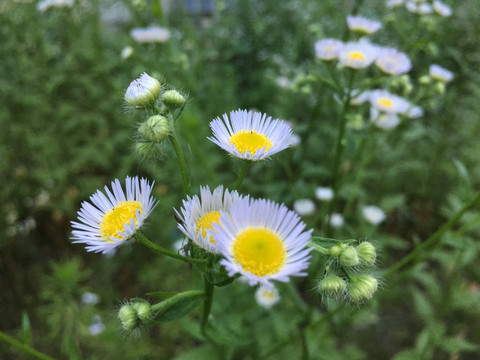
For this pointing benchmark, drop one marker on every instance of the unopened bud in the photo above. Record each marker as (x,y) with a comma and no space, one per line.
(173,99)
(128,317)
(155,129)
(144,311)
(336,250)
(349,257)
(440,87)
(332,285)
(143,91)
(366,253)
(148,150)
(425,79)
(362,287)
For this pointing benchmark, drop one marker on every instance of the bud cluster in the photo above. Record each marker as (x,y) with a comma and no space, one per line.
(134,314)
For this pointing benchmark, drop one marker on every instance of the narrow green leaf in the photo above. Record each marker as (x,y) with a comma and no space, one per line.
(26,336)
(157,9)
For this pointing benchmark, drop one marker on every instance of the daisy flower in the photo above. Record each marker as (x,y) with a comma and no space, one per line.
(393,62)
(393,3)
(250,135)
(107,221)
(363,25)
(328,49)
(419,8)
(324,193)
(263,241)
(440,74)
(384,101)
(442,8)
(373,214)
(304,207)
(358,55)
(143,91)
(152,34)
(385,121)
(336,220)
(198,214)
(267,296)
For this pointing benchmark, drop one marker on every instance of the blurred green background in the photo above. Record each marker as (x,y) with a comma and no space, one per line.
(65,133)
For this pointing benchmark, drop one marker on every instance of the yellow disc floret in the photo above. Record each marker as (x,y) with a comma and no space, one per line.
(385,102)
(250,141)
(206,222)
(259,251)
(356,56)
(114,220)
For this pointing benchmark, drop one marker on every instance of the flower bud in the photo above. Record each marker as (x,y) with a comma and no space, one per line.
(440,87)
(366,253)
(143,91)
(336,250)
(148,150)
(128,317)
(362,287)
(349,257)
(173,99)
(144,311)
(155,129)
(332,285)
(425,79)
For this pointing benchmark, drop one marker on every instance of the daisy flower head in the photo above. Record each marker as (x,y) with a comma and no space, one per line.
(358,98)
(440,74)
(152,34)
(250,135)
(393,62)
(393,3)
(362,25)
(441,8)
(266,297)
(373,214)
(419,8)
(384,101)
(304,207)
(199,213)
(263,241)
(414,112)
(358,55)
(385,121)
(143,91)
(328,49)
(107,221)
(336,220)
(324,193)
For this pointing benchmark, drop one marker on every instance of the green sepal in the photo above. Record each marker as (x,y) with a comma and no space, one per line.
(219,277)
(177,306)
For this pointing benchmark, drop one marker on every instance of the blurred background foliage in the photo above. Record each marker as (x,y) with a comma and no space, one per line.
(64,134)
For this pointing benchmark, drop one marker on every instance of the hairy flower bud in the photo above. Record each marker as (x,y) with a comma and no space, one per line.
(332,285)
(366,253)
(144,311)
(173,99)
(336,250)
(128,317)
(143,91)
(349,257)
(362,287)
(155,129)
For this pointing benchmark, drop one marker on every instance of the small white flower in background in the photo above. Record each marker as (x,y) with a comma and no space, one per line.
(127,51)
(441,8)
(283,82)
(143,91)
(373,214)
(415,112)
(393,3)
(359,99)
(97,326)
(393,62)
(109,221)
(363,25)
(336,220)
(199,213)
(419,8)
(328,49)
(250,135)
(304,207)
(384,101)
(294,140)
(382,120)
(45,4)
(263,241)
(267,296)
(440,74)
(89,298)
(324,193)
(152,34)
(358,55)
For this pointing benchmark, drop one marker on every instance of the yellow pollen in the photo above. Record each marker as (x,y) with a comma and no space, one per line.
(385,102)
(355,55)
(114,220)
(259,251)
(206,222)
(250,141)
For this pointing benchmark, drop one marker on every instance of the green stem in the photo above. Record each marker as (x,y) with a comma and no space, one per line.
(174,299)
(143,239)
(242,173)
(24,347)
(207,305)
(432,240)
(181,162)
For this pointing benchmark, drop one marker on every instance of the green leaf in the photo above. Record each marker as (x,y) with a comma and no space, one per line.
(26,336)
(202,352)
(177,306)
(157,9)
(456,344)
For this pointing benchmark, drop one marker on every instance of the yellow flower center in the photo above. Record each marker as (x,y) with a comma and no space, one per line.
(385,102)
(259,251)
(206,222)
(355,55)
(114,220)
(268,294)
(250,141)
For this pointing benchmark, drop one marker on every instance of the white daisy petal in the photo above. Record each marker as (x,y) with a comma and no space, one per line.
(440,74)
(384,101)
(328,49)
(363,25)
(393,62)
(358,55)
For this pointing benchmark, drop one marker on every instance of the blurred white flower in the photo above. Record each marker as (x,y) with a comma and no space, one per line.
(441,8)
(97,326)
(387,102)
(267,296)
(89,298)
(336,220)
(382,120)
(127,51)
(328,49)
(45,4)
(358,55)
(304,207)
(283,82)
(152,34)
(393,3)
(294,140)
(324,193)
(415,112)
(363,25)
(440,74)
(373,214)
(419,8)
(393,62)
